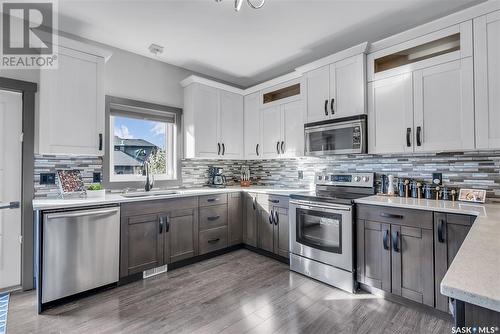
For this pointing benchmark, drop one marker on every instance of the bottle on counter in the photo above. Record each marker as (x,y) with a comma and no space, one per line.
(401,187)
(414,189)
(427,191)
(390,186)
(445,194)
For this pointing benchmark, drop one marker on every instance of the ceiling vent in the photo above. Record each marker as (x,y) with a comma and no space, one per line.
(156,49)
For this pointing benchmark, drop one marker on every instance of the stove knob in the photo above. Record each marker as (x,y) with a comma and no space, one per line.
(357,179)
(366,178)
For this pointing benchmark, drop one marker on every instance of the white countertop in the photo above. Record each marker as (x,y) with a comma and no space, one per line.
(474,274)
(115,198)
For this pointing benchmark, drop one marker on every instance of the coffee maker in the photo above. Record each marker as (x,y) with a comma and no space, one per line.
(216,177)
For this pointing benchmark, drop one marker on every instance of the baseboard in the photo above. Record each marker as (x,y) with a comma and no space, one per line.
(203,257)
(267,254)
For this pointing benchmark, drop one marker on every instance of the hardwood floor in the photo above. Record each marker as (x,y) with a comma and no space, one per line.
(239,292)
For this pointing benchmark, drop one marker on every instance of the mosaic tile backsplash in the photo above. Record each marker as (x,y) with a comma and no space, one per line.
(472,170)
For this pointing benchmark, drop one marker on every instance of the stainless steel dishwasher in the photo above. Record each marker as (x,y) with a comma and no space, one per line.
(80,251)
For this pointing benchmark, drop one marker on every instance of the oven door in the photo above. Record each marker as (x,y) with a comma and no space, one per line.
(335,138)
(322,232)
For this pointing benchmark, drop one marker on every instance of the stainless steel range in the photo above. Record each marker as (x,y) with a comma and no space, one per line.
(322,227)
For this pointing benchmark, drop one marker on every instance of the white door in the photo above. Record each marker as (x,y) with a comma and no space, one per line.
(271,132)
(253,145)
(206,109)
(390,115)
(444,107)
(231,125)
(293,129)
(487,80)
(347,87)
(10,188)
(318,94)
(72,105)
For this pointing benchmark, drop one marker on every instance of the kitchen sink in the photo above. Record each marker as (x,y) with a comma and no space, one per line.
(149,193)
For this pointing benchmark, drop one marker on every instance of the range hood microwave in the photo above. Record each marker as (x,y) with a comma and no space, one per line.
(347,135)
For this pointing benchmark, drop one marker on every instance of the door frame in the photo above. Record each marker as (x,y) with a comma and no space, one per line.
(28,90)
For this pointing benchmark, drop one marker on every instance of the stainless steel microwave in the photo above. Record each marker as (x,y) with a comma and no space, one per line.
(347,135)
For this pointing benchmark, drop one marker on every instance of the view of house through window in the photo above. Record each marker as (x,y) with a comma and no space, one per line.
(137,141)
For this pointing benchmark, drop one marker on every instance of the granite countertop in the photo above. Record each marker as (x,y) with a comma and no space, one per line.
(474,274)
(116,198)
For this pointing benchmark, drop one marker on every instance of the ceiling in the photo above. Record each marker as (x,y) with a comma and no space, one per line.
(251,46)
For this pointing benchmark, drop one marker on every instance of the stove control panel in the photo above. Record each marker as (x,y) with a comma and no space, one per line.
(345,179)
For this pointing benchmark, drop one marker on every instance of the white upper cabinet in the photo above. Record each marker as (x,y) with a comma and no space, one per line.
(231,125)
(71,112)
(252,130)
(390,115)
(487,80)
(336,90)
(444,107)
(213,123)
(318,94)
(283,130)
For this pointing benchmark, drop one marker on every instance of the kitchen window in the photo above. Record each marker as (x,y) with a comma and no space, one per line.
(141,133)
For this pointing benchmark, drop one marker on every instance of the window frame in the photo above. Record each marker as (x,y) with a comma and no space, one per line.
(112,181)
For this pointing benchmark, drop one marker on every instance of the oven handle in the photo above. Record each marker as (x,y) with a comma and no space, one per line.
(305,205)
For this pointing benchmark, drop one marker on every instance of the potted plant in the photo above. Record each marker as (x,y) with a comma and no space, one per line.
(95,191)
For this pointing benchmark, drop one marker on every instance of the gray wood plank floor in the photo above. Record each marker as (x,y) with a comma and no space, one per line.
(240,292)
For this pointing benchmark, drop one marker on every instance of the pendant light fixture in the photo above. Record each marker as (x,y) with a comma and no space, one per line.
(255,4)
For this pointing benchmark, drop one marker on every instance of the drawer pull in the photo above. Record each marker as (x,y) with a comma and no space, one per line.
(391,215)
(213,218)
(274,200)
(213,241)
(212,199)
(395,241)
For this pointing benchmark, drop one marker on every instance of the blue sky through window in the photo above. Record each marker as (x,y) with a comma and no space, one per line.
(132,128)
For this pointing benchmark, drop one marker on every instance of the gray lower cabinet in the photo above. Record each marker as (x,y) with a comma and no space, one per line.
(281,232)
(395,251)
(265,228)
(273,225)
(235,219)
(213,239)
(450,231)
(155,233)
(250,213)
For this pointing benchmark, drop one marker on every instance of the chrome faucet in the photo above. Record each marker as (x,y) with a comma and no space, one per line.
(149,178)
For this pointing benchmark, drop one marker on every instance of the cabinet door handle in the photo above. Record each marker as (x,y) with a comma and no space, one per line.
(391,215)
(395,241)
(257,149)
(218,148)
(278,147)
(440,231)
(167,226)
(408,137)
(386,239)
(419,136)
(282,147)
(213,218)
(100,142)
(223,149)
(331,106)
(213,241)
(326,107)
(253,204)
(271,218)
(161,224)
(276,218)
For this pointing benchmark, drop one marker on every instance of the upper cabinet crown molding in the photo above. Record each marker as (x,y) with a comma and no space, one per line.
(441,23)
(207,82)
(353,51)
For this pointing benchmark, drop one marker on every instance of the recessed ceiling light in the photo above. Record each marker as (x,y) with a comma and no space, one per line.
(156,49)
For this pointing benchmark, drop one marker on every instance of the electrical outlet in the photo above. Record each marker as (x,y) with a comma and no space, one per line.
(96,178)
(47,178)
(301,175)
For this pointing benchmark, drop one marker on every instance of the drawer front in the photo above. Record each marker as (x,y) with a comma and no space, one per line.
(209,200)
(212,240)
(156,206)
(273,200)
(398,216)
(213,216)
